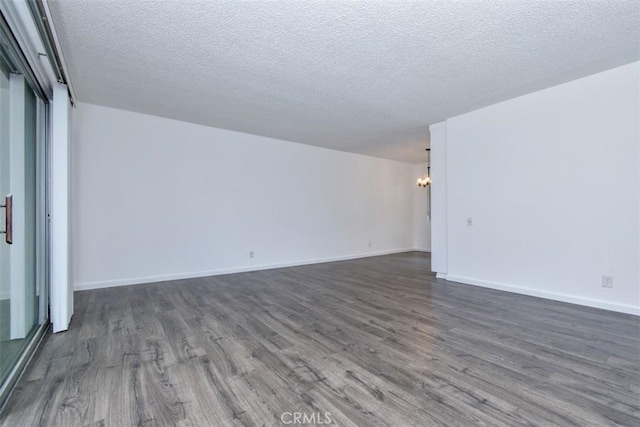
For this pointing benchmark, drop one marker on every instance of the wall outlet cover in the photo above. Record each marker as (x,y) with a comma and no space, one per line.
(607,281)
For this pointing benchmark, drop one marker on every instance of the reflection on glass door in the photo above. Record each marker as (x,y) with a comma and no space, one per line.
(22,285)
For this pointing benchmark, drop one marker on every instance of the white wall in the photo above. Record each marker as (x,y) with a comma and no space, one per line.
(157,199)
(551,182)
(421,220)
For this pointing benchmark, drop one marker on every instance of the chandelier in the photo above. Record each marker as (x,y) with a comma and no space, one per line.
(425,180)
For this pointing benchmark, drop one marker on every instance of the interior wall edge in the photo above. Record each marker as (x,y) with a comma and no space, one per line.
(555,296)
(218,272)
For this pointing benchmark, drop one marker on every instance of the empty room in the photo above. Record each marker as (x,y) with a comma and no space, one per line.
(319,212)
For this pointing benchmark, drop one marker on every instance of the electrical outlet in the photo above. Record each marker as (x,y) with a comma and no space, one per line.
(469,221)
(607,281)
(251,254)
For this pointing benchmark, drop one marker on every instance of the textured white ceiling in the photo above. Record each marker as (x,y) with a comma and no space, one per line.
(360,76)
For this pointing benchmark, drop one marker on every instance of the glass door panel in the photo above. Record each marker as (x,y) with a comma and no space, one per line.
(20,182)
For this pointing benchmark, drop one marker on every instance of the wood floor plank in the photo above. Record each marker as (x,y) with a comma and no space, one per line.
(373,342)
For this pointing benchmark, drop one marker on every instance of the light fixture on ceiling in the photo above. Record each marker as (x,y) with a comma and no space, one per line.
(425,181)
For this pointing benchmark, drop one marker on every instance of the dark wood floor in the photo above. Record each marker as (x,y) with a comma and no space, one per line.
(376,341)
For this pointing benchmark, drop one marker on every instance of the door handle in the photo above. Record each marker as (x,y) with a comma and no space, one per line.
(8,219)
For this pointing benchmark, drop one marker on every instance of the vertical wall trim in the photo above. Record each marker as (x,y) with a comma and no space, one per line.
(439,259)
(61,291)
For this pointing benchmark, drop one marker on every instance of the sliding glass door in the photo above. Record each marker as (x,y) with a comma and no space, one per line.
(23,300)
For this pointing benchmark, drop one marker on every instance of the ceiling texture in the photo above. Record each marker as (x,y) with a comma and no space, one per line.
(361,76)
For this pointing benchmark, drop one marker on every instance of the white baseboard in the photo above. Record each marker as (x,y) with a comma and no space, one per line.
(441,276)
(422,250)
(573,299)
(191,275)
